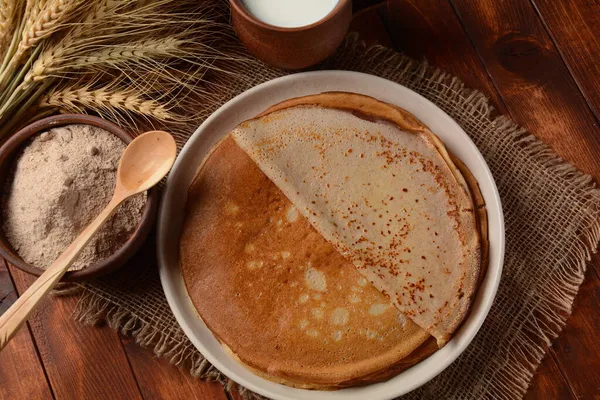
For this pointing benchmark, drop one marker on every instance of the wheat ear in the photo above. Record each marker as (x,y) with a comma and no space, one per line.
(139,52)
(83,36)
(32,10)
(105,100)
(149,48)
(42,19)
(9,13)
(45,21)
(18,13)
(6,12)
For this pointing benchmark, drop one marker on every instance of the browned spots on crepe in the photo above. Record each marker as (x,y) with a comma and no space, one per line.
(404,193)
(275,291)
(281,298)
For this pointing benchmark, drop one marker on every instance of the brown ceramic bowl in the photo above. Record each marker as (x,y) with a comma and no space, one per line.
(14,145)
(292,48)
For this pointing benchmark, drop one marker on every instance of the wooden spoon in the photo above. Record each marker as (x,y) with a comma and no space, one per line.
(146,160)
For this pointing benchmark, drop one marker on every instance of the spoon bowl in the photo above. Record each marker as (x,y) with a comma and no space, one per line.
(145,162)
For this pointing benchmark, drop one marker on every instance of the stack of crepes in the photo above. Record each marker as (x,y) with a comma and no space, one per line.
(332,241)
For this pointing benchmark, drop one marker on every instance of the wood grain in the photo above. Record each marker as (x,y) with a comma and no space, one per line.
(574,26)
(358,5)
(152,373)
(577,349)
(236,396)
(541,95)
(21,372)
(429,30)
(82,362)
(369,25)
(549,383)
(532,78)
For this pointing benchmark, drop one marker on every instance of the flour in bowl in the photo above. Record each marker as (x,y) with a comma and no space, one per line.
(57,185)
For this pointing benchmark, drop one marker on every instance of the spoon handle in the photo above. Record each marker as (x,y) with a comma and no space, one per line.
(18,313)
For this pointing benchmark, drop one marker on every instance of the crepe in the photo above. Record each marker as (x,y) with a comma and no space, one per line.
(282,297)
(278,296)
(381,188)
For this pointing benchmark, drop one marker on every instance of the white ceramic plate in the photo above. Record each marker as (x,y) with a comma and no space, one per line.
(246,106)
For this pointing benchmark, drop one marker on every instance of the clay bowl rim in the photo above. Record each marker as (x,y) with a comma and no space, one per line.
(241,9)
(13,145)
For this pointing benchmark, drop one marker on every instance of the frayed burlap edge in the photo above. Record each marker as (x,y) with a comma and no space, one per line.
(554,307)
(93,309)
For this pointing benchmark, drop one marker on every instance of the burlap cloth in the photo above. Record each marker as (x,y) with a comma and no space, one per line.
(552,216)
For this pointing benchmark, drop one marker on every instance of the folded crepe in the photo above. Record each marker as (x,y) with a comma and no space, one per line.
(382,189)
(277,295)
(328,239)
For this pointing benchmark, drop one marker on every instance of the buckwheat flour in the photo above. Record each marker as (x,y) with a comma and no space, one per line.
(58,184)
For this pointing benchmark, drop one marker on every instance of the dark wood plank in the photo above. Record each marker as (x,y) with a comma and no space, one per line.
(82,362)
(236,396)
(577,350)
(358,5)
(532,78)
(370,27)
(161,381)
(548,382)
(541,95)
(21,372)
(429,30)
(575,27)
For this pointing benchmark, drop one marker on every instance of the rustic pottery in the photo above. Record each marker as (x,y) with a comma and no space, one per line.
(116,260)
(292,48)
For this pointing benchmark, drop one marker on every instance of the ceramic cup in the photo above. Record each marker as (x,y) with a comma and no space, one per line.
(292,48)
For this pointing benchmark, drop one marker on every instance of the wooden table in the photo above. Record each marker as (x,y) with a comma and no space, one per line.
(538,61)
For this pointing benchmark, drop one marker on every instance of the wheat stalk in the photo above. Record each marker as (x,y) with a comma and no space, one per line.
(155,48)
(95,35)
(32,10)
(135,62)
(45,19)
(75,54)
(9,14)
(103,100)
(75,37)
(6,13)
(140,52)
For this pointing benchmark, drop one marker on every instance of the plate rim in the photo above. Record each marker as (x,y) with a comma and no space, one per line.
(493,274)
